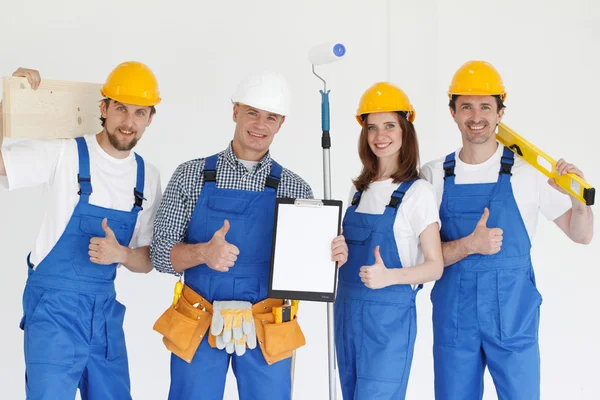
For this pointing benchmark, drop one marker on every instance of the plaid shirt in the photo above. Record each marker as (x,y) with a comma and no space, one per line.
(183,191)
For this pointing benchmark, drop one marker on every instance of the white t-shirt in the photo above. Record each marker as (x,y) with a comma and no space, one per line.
(249,164)
(55,164)
(417,211)
(532,192)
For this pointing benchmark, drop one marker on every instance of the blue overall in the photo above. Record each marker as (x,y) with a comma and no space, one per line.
(375,330)
(251,216)
(486,307)
(72,321)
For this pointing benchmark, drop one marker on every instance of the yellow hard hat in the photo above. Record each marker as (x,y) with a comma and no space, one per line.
(384,97)
(477,78)
(132,83)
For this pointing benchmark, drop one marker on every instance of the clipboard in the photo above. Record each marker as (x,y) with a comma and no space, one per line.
(301,266)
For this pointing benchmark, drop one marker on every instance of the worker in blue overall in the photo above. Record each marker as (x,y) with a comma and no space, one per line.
(391,227)
(215,225)
(102,199)
(486,306)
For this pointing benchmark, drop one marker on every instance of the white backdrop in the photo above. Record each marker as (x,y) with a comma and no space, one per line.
(546,51)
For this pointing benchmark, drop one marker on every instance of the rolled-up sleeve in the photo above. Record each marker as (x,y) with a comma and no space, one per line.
(308,193)
(173,216)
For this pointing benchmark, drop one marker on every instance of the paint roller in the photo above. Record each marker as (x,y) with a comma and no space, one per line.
(324,54)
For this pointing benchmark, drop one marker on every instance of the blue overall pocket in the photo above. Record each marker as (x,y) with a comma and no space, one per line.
(444,298)
(114,314)
(461,215)
(357,235)
(90,227)
(48,325)
(519,302)
(385,354)
(470,207)
(360,252)
(243,234)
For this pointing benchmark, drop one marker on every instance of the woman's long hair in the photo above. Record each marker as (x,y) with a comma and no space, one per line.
(407,167)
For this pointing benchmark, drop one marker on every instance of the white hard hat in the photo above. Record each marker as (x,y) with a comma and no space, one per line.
(266,90)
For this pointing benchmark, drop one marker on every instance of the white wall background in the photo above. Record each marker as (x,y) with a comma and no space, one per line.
(546,51)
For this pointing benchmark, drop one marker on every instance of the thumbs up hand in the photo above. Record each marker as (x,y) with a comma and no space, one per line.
(375,276)
(106,250)
(220,255)
(485,240)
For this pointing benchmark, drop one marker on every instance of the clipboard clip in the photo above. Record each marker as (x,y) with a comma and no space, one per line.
(308,203)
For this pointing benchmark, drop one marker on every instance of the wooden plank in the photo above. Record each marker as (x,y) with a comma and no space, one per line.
(57,109)
(1,123)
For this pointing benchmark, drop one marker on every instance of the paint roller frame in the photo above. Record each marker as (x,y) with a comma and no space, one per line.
(324,54)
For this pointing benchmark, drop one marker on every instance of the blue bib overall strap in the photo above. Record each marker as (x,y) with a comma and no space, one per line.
(83,177)
(138,191)
(85,181)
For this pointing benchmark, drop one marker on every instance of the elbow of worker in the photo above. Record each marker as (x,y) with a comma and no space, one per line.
(438,270)
(586,239)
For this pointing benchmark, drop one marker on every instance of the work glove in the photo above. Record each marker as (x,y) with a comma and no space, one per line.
(233,326)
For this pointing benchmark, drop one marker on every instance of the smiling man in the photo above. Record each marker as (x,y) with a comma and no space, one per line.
(486,305)
(215,225)
(101,201)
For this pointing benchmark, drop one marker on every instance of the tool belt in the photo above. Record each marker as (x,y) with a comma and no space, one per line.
(185,324)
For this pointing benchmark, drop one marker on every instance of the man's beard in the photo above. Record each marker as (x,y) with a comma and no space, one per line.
(479,139)
(482,137)
(114,141)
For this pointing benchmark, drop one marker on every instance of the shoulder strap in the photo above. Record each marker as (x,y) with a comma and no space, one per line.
(506,163)
(273,179)
(398,195)
(356,198)
(83,177)
(210,170)
(138,190)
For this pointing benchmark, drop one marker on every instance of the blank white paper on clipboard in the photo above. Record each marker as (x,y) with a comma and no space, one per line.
(301,266)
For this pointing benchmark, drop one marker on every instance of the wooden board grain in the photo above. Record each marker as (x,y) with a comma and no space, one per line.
(57,109)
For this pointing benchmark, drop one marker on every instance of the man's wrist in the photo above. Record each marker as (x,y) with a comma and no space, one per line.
(126,254)
(468,245)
